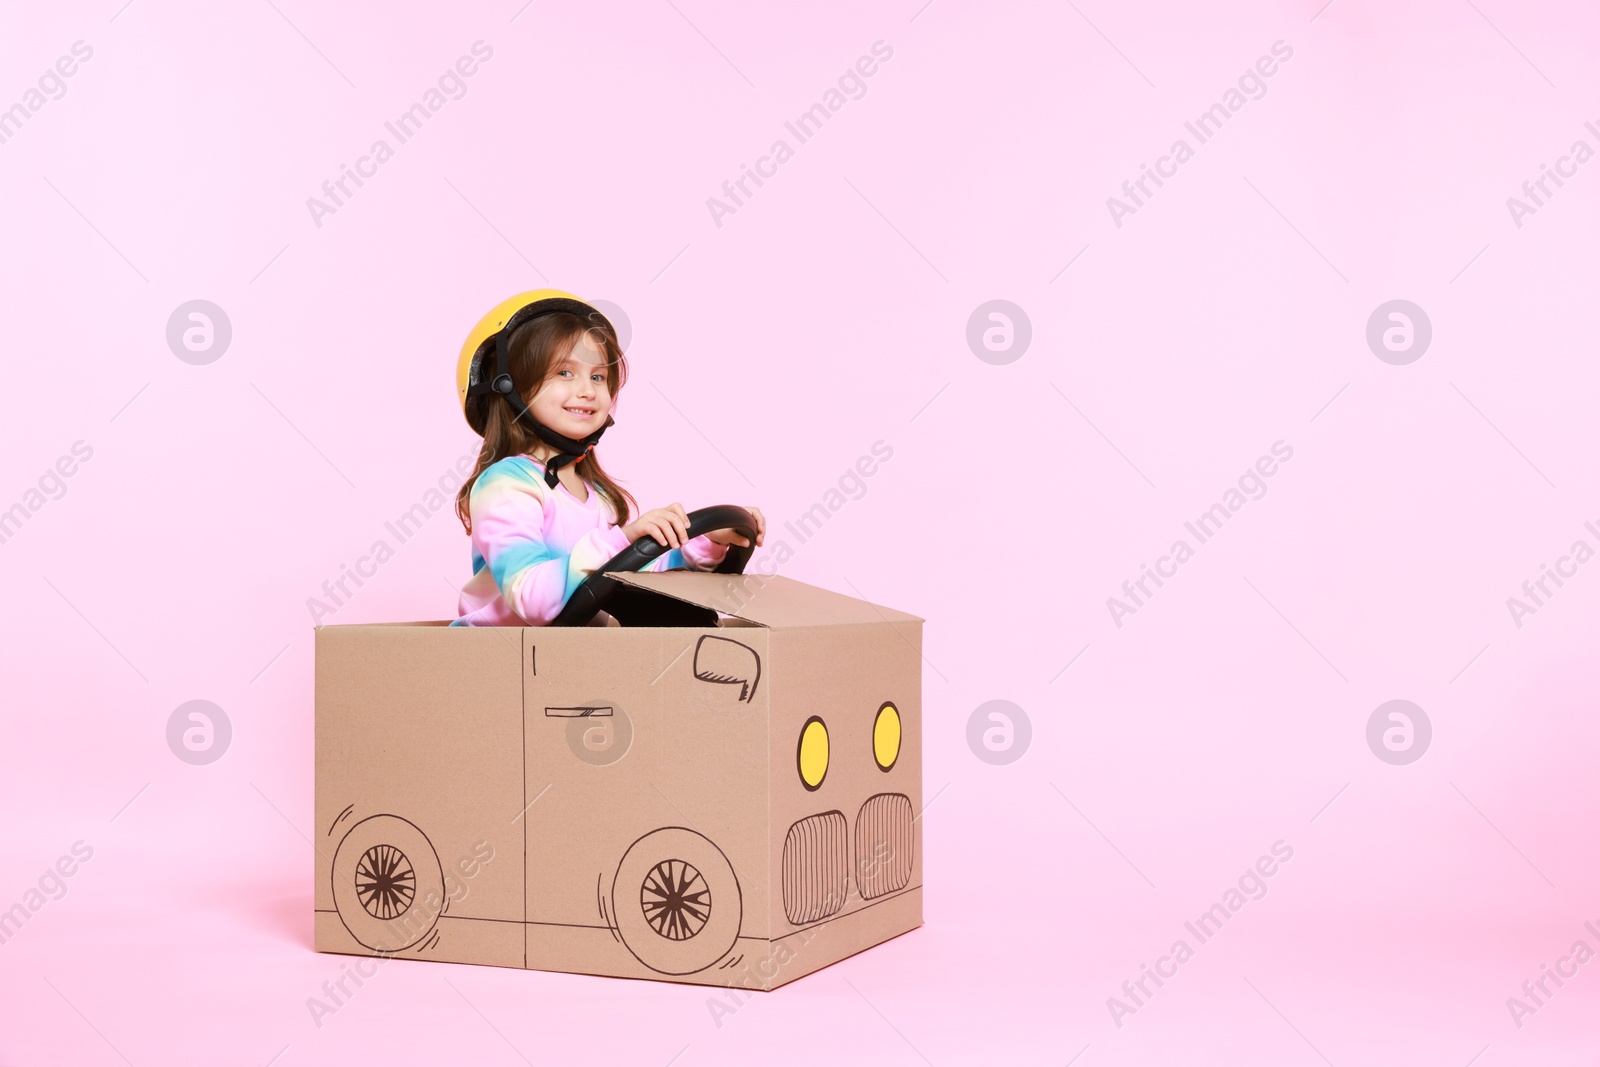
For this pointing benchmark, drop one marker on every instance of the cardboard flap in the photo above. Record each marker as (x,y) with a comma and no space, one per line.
(773,601)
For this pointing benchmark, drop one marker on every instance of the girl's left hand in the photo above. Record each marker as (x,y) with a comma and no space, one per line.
(733,537)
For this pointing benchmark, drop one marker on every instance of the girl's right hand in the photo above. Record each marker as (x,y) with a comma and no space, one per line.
(668,525)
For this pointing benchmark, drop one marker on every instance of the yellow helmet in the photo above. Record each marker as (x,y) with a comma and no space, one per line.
(482,370)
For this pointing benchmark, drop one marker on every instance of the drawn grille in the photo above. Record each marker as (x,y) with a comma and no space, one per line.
(815,874)
(883,844)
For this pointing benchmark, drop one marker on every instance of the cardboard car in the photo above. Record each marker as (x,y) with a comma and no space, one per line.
(722,786)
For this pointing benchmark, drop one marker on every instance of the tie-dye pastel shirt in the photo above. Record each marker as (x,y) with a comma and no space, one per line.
(533,545)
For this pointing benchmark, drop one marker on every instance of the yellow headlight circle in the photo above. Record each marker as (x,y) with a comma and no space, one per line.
(812,756)
(886,736)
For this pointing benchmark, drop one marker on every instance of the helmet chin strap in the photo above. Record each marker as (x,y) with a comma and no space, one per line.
(568,449)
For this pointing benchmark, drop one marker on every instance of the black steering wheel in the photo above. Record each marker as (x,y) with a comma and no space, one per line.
(597,590)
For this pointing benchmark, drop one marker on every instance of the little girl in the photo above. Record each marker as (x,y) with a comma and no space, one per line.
(537,378)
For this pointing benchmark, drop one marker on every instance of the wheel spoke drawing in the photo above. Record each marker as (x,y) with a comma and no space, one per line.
(388,887)
(385,882)
(676,900)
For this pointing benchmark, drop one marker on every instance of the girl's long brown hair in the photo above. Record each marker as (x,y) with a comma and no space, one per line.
(534,348)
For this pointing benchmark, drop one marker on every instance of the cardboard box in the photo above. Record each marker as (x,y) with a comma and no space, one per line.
(725,799)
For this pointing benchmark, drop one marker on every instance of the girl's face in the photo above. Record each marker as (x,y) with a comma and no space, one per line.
(576,398)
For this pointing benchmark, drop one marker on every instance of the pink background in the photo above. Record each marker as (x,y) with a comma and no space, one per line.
(830,312)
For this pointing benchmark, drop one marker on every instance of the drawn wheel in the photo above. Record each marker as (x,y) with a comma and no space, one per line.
(388,885)
(677,903)
(676,900)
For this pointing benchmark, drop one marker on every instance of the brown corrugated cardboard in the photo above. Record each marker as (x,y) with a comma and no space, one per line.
(731,804)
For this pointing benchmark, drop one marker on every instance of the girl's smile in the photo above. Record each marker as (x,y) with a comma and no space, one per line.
(576,397)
